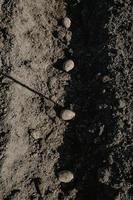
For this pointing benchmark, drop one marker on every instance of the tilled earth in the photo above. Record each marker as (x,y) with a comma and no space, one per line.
(35,143)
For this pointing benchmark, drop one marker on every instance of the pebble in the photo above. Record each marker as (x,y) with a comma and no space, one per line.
(106,79)
(67,115)
(68,65)
(36,135)
(66,176)
(67,22)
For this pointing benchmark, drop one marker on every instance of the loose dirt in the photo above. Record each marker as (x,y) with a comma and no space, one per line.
(36,145)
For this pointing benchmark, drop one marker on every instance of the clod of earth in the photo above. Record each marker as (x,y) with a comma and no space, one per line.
(67,115)
(68,65)
(67,22)
(66,176)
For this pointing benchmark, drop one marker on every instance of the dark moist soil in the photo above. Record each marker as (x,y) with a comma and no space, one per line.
(35,144)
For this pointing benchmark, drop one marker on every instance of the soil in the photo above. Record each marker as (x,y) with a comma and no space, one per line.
(35,143)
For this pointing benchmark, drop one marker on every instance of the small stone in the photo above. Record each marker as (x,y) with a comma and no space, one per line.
(67,22)
(66,176)
(68,65)
(36,135)
(67,115)
(106,79)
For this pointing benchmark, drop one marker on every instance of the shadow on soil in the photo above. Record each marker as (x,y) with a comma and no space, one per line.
(84,150)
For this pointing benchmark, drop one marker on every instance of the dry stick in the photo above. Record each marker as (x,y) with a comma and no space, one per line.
(27,87)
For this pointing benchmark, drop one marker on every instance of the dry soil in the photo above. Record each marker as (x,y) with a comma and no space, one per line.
(35,143)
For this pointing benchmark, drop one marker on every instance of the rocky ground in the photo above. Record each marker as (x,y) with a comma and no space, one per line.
(35,143)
